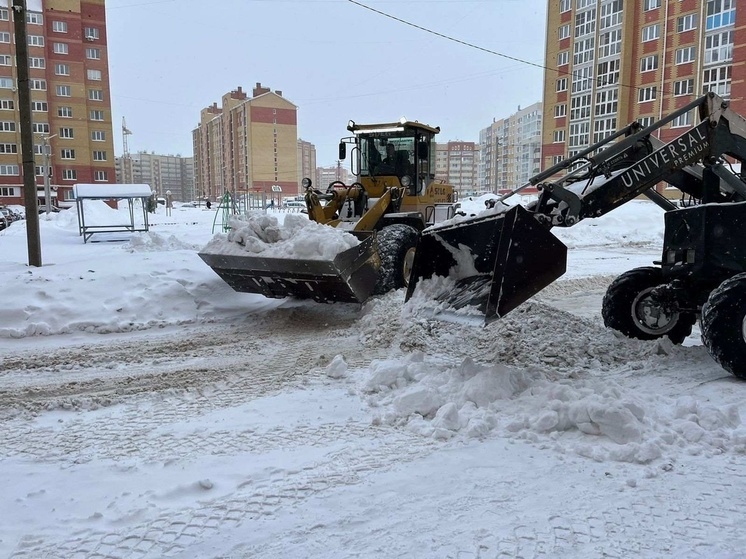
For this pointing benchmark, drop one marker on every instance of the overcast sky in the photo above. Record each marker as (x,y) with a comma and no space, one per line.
(335,59)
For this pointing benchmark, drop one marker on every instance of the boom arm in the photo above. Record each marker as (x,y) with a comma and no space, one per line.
(619,172)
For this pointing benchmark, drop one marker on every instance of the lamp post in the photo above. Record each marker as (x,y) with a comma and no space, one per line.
(47,172)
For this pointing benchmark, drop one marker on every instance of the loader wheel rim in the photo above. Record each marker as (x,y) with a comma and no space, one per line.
(409,264)
(650,317)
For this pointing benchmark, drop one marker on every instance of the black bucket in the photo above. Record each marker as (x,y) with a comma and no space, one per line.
(350,277)
(497,261)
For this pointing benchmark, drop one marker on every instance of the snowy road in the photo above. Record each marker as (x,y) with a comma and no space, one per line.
(210,441)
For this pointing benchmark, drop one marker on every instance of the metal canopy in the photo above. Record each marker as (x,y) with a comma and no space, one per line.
(129,192)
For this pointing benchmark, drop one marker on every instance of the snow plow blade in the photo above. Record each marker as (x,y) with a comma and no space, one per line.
(350,277)
(498,262)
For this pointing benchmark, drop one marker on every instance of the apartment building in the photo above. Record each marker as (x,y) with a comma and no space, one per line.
(306,163)
(247,144)
(510,150)
(327,175)
(163,173)
(612,62)
(457,163)
(71,103)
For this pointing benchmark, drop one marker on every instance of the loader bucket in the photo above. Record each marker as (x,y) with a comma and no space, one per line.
(349,278)
(498,262)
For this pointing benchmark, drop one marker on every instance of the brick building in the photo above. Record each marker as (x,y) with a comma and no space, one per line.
(71,104)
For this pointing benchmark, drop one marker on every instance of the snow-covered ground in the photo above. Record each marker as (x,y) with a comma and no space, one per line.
(149,411)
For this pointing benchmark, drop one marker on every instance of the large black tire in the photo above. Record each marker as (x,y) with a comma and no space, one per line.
(724,325)
(629,308)
(396,247)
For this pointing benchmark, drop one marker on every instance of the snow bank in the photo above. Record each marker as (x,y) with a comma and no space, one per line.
(297,238)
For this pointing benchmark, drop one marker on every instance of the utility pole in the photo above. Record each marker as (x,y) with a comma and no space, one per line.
(126,163)
(47,172)
(27,134)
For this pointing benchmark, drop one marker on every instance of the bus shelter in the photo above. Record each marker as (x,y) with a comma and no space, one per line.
(115,192)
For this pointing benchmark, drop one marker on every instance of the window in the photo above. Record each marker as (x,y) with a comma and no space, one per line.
(63,91)
(585,23)
(5,60)
(39,106)
(606,102)
(35,40)
(611,14)
(62,69)
(608,73)
(100,176)
(682,120)
(4,37)
(7,126)
(98,136)
(561,84)
(610,43)
(717,80)
(8,148)
(94,75)
(6,83)
(557,159)
(95,95)
(720,13)
(7,191)
(99,155)
(59,26)
(565,6)
(69,175)
(560,110)
(38,84)
(91,33)
(65,112)
(67,153)
(647,94)
(649,63)
(651,32)
(34,18)
(719,47)
(580,107)
(563,58)
(686,23)
(93,54)
(66,133)
(651,4)
(583,51)
(9,170)
(645,121)
(683,87)
(7,104)
(4,14)
(582,79)
(685,55)
(579,134)
(60,48)
(580,4)
(559,136)
(603,128)
(39,170)
(36,62)
(563,32)
(41,127)
(97,115)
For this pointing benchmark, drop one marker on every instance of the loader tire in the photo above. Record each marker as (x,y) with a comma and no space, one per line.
(724,325)
(396,247)
(628,308)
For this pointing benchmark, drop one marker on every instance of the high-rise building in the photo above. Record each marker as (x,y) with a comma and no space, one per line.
(456,163)
(612,62)
(70,100)
(306,162)
(248,144)
(163,173)
(327,175)
(510,150)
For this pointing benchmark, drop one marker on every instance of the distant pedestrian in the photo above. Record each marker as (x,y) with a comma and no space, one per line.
(208,204)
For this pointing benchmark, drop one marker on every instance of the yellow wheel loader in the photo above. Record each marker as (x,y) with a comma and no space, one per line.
(393,199)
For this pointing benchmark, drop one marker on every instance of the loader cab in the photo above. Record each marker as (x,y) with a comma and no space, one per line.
(402,150)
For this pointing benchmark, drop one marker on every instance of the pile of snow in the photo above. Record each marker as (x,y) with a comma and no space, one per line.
(297,238)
